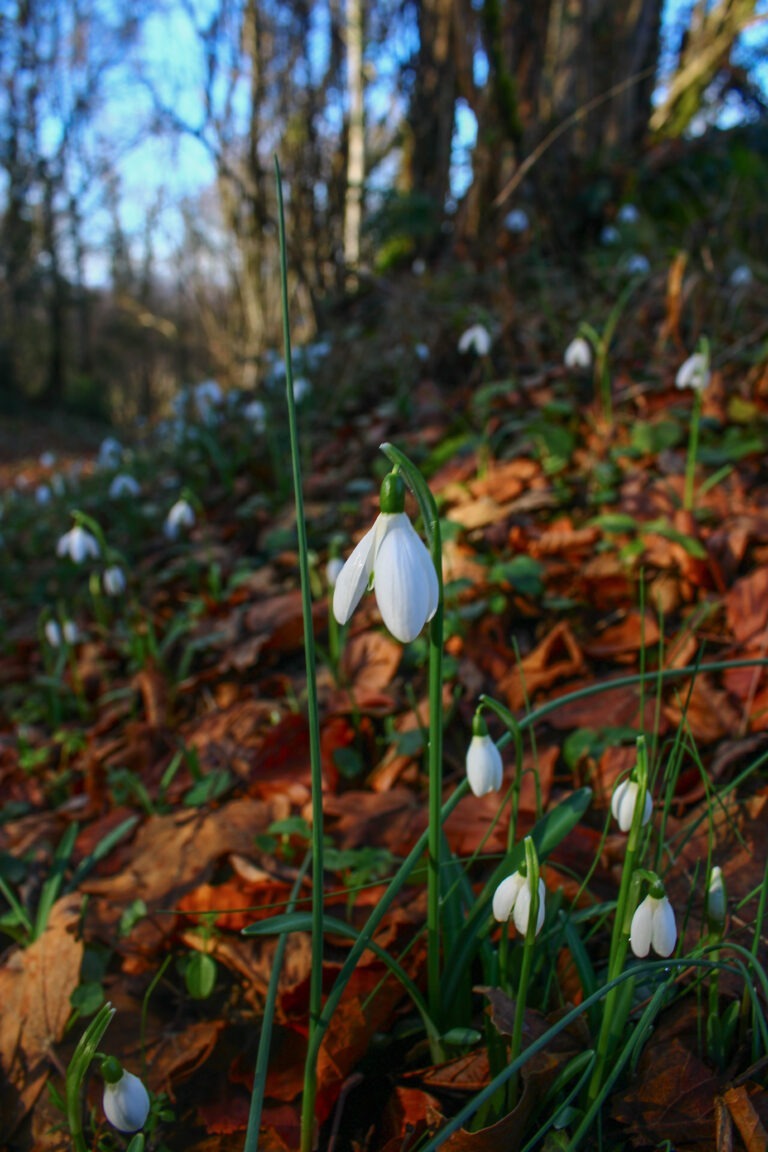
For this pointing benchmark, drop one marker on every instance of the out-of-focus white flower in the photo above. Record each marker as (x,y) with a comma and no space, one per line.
(208,397)
(47,459)
(126,1103)
(623,801)
(70,632)
(653,926)
(419,266)
(628,214)
(485,770)
(42,494)
(113,580)
(638,265)
(180,517)
(256,414)
(512,899)
(610,235)
(578,354)
(110,452)
(79,544)
(301,388)
(475,339)
(422,352)
(693,373)
(333,570)
(124,485)
(516,221)
(716,898)
(53,633)
(741,276)
(395,556)
(65,633)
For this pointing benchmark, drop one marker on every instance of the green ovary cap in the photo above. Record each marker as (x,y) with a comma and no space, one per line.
(392,498)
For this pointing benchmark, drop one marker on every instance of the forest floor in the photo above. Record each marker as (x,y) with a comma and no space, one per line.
(155,773)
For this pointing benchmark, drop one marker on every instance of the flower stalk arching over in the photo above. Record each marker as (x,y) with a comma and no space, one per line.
(393,559)
(485,770)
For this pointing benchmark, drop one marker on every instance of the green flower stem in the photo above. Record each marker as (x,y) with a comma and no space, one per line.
(77,1070)
(612,1023)
(316,978)
(532,870)
(693,447)
(431,518)
(514,728)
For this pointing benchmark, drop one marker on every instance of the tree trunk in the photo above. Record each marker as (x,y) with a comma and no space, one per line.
(353,204)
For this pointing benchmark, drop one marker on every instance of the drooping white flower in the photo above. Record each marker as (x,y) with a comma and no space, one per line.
(475,339)
(180,516)
(126,1103)
(628,214)
(512,899)
(53,633)
(333,570)
(110,452)
(653,926)
(113,580)
(693,372)
(123,485)
(610,235)
(638,264)
(79,544)
(422,352)
(301,388)
(47,459)
(70,632)
(65,633)
(741,276)
(485,770)
(516,221)
(578,354)
(256,414)
(42,494)
(623,801)
(395,556)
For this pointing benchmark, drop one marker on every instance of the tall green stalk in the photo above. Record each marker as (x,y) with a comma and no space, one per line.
(316,986)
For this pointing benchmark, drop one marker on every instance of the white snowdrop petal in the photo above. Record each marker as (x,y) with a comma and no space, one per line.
(403,592)
(641,928)
(664,928)
(353,579)
(506,895)
(126,1103)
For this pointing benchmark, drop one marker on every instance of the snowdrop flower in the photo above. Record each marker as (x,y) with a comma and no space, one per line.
(79,544)
(301,388)
(181,515)
(628,214)
(207,397)
(70,632)
(126,1100)
(124,485)
(512,899)
(53,633)
(516,221)
(638,265)
(47,459)
(66,633)
(610,235)
(623,801)
(256,414)
(653,926)
(42,494)
(693,372)
(110,452)
(741,276)
(422,352)
(716,899)
(485,770)
(419,266)
(113,580)
(578,354)
(394,559)
(476,339)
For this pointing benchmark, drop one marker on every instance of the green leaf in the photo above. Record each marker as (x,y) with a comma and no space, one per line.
(650,439)
(200,975)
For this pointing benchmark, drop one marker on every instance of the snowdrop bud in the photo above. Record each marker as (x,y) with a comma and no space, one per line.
(70,632)
(693,372)
(476,339)
(623,801)
(512,900)
(113,580)
(181,515)
(578,354)
(716,903)
(78,544)
(333,570)
(126,1100)
(484,767)
(653,926)
(123,485)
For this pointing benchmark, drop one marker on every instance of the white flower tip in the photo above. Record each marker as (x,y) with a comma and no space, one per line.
(126,1103)
(485,770)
